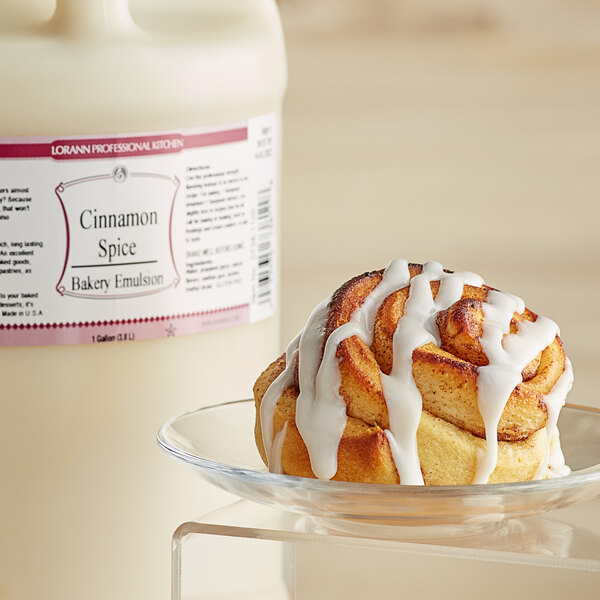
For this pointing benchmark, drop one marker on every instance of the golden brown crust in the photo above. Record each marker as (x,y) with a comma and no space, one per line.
(448,454)
(347,298)
(447,380)
(461,327)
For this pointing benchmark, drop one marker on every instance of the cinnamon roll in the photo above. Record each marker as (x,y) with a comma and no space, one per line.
(416,375)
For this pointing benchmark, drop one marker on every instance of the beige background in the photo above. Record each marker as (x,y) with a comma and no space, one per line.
(466,132)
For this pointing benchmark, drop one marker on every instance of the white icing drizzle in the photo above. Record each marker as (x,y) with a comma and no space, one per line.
(275,466)
(321,411)
(416,328)
(553,464)
(272,396)
(556,464)
(312,332)
(508,354)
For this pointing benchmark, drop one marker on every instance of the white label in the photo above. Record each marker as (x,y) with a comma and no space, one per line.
(137,236)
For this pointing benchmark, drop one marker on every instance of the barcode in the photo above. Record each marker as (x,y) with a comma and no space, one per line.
(265,247)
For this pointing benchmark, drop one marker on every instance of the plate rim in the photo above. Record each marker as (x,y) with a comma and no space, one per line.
(577,478)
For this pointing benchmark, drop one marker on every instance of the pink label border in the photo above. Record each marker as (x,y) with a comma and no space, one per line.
(124,145)
(52,334)
(60,288)
(65,333)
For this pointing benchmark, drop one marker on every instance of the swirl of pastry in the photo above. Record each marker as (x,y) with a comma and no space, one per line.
(416,375)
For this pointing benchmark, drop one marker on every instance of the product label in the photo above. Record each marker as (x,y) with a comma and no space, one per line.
(138,236)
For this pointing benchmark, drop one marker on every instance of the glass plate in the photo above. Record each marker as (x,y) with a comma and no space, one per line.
(218,442)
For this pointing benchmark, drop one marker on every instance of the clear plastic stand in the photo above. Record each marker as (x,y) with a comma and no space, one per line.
(248,551)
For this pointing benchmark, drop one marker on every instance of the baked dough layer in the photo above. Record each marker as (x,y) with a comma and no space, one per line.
(451,432)
(448,454)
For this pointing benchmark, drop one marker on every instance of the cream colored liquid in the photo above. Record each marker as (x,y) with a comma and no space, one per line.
(88,502)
